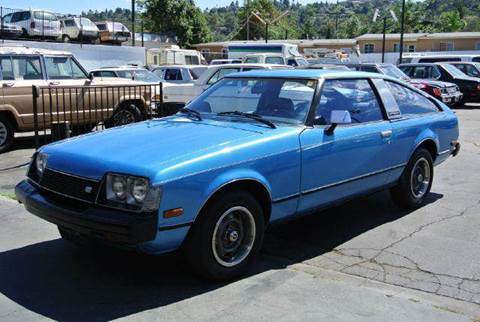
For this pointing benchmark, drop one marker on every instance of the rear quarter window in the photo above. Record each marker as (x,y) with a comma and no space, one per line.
(410,102)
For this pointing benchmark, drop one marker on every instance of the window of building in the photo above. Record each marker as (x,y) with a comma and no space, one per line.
(447,46)
(368,48)
(477,45)
(406,48)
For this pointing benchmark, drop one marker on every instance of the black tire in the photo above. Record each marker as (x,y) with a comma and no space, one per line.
(65,38)
(411,190)
(200,250)
(126,114)
(7,131)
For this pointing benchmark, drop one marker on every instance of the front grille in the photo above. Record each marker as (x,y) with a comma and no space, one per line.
(68,185)
(451,89)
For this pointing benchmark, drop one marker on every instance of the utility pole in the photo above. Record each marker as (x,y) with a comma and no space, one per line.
(402,30)
(383,40)
(270,22)
(248,18)
(133,23)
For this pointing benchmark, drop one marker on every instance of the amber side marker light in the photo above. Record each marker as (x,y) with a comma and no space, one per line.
(173,213)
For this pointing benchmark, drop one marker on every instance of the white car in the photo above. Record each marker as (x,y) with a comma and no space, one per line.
(113,32)
(272,58)
(79,29)
(179,73)
(127,72)
(36,23)
(180,94)
(225,61)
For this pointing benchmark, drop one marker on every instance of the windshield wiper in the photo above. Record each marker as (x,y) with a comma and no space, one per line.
(190,112)
(252,116)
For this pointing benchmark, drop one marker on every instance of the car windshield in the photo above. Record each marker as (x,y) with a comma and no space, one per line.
(278,100)
(146,76)
(454,71)
(394,72)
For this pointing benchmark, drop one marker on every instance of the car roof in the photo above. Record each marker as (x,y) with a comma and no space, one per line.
(306,74)
(180,66)
(244,65)
(24,50)
(127,68)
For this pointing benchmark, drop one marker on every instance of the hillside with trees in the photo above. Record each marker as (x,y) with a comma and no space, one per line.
(345,19)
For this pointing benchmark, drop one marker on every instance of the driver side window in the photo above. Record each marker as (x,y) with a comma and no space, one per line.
(353,95)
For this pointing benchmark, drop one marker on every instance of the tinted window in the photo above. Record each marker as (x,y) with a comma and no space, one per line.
(6,68)
(410,102)
(173,74)
(102,26)
(438,59)
(471,70)
(69,23)
(425,72)
(104,73)
(369,69)
(26,68)
(274,60)
(353,95)
(63,68)
(476,59)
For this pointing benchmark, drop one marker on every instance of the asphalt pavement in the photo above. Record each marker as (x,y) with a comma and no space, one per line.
(363,261)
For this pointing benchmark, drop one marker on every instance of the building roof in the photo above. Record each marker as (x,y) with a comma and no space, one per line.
(303,42)
(445,35)
(406,36)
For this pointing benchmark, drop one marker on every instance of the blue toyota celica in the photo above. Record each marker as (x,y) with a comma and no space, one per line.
(255,148)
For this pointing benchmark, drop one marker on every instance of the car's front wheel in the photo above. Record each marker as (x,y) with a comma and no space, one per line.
(415,182)
(226,237)
(6,134)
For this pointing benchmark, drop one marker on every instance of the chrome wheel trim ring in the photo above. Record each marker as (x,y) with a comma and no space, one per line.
(244,239)
(3,134)
(420,178)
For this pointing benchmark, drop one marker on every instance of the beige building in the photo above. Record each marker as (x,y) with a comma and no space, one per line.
(367,43)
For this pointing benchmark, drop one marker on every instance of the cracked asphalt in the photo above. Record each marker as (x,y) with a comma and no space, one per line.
(365,260)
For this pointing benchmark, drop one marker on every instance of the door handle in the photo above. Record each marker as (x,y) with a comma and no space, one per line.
(386,134)
(8,84)
(54,83)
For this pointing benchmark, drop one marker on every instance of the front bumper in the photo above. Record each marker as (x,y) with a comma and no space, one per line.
(451,98)
(119,227)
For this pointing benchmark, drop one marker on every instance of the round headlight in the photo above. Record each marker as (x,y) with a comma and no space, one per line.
(119,187)
(139,189)
(41,163)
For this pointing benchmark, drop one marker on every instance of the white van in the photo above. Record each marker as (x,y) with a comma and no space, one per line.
(414,58)
(173,55)
(262,52)
(36,23)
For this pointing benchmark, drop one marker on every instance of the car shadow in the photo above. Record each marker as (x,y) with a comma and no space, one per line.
(61,282)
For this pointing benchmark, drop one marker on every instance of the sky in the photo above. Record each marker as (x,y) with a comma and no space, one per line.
(76,6)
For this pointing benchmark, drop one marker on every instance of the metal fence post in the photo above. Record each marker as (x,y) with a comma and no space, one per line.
(161,100)
(35,96)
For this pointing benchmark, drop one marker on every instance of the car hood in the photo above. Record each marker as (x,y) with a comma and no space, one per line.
(158,145)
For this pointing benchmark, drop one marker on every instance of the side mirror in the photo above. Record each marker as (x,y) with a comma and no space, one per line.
(90,76)
(338,117)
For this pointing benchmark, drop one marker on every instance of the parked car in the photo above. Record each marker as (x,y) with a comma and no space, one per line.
(469,86)
(251,150)
(273,58)
(327,66)
(471,69)
(113,32)
(127,72)
(177,95)
(179,73)
(24,67)
(35,23)
(414,58)
(9,30)
(448,93)
(79,29)
(225,61)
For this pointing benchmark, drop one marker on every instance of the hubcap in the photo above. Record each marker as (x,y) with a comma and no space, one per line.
(420,178)
(123,117)
(3,134)
(233,236)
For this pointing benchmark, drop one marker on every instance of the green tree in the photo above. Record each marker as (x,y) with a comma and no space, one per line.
(450,21)
(179,17)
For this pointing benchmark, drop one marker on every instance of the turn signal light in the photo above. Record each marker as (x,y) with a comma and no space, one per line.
(173,213)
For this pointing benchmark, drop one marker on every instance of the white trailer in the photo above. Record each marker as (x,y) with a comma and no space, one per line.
(240,50)
(173,55)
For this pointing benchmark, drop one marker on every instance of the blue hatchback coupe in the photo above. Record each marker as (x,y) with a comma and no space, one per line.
(255,148)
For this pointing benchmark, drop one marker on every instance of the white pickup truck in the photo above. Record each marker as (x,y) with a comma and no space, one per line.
(175,94)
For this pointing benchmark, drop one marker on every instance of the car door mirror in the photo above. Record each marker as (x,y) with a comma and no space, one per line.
(338,117)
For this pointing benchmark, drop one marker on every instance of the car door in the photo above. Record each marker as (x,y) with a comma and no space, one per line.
(356,157)
(20,73)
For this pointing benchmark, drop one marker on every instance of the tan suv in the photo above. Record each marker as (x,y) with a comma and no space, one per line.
(58,74)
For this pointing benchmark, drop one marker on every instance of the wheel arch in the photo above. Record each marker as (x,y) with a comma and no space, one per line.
(257,187)
(429,141)
(11,117)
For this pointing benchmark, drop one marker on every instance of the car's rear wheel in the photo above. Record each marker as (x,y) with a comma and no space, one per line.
(415,182)
(6,134)
(226,237)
